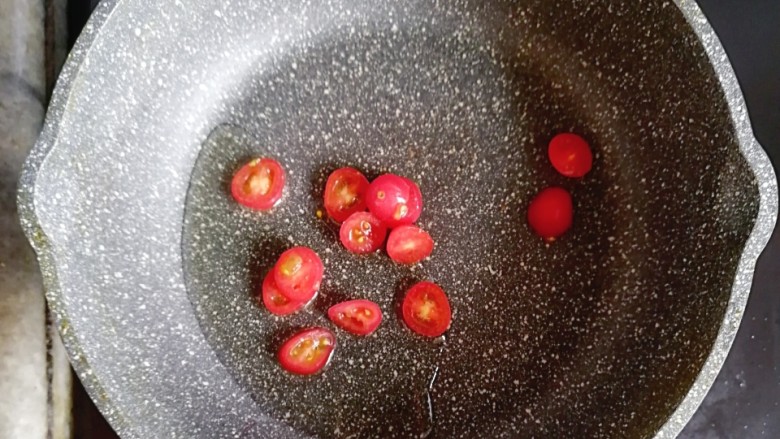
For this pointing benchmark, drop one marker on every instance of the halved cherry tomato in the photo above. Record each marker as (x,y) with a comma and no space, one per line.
(570,155)
(409,244)
(345,193)
(426,309)
(275,301)
(551,213)
(298,273)
(360,317)
(258,184)
(308,351)
(362,233)
(395,200)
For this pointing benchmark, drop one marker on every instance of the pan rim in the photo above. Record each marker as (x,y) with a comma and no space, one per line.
(750,149)
(766,218)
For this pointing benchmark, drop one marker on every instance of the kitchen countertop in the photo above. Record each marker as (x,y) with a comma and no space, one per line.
(23,380)
(35,378)
(745,400)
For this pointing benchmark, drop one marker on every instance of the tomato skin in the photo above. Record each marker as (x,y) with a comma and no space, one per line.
(276,302)
(395,200)
(360,317)
(319,342)
(426,309)
(258,184)
(551,213)
(409,244)
(345,193)
(415,203)
(362,233)
(570,155)
(298,273)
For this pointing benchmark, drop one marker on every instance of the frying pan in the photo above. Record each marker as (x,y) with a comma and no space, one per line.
(616,330)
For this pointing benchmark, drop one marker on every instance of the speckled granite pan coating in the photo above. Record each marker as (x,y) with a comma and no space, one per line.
(615,331)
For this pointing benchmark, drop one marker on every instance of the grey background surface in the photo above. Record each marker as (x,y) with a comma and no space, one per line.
(745,400)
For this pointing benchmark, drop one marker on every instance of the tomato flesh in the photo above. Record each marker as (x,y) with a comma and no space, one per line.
(258,184)
(362,233)
(426,309)
(360,317)
(298,274)
(409,244)
(276,302)
(345,193)
(395,200)
(307,352)
(551,213)
(570,155)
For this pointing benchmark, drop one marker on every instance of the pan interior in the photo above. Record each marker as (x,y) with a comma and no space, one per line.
(597,335)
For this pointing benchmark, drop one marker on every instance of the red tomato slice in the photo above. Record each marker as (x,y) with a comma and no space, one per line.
(426,309)
(345,193)
(570,155)
(395,200)
(362,233)
(307,352)
(275,301)
(298,273)
(360,317)
(409,244)
(551,213)
(258,184)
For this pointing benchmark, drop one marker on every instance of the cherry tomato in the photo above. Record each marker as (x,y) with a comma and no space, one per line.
(395,200)
(551,213)
(415,197)
(258,184)
(298,273)
(362,233)
(307,352)
(409,244)
(426,309)
(570,155)
(275,301)
(345,193)
(360,317)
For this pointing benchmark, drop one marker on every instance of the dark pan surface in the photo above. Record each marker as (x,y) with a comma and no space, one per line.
(152,268)
(544,336)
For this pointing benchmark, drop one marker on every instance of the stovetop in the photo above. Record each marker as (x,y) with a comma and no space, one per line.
(744,402)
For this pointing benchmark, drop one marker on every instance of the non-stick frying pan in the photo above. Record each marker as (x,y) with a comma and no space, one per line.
(615,330)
